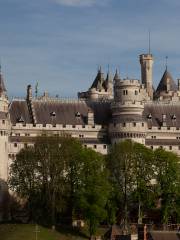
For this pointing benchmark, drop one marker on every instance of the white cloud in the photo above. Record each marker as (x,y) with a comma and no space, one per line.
(81,3)
(76,3)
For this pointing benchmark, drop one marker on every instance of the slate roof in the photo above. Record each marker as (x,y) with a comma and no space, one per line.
(19,109)
(99,81)
(165,80)
(157,110)
(66,113)
(59,112)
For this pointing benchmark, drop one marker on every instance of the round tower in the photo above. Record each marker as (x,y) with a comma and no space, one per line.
(146,61)
(4,132)
(127,108)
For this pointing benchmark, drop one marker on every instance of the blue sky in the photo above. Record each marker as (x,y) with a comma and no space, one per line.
(61,43)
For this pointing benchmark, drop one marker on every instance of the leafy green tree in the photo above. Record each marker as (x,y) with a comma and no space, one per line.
(59,176)
(23,179)
(131,170)
(168,182)
(93,189)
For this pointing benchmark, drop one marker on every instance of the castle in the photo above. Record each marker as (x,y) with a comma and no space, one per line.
(110,111)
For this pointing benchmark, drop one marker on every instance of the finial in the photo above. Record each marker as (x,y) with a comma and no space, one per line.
(166,62)
(108,68)
(36,89)
(149,47)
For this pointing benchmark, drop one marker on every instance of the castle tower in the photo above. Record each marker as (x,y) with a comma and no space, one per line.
(4,129)
(146,61)
(4,133)
(127,108)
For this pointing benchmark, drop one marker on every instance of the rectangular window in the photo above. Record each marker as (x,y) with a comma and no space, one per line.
(104,146)
(15,144)
(3,121)
(95,146)
(134,124)
(170,147)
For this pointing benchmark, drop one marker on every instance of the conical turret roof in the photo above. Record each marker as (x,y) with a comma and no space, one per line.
(116,76)
(99,80)
(2,85)
(167,83)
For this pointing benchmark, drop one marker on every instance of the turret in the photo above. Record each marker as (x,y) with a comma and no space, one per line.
(4,129)
(127,108)
(4,133)
(146,61)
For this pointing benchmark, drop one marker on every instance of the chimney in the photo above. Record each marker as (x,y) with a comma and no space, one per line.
(29,92)
(178,84)
(164,120)
(90,117)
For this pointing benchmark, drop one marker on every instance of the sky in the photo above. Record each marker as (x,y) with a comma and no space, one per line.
(61,43)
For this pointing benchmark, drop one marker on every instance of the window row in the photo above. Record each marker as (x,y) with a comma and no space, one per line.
(124,124)
(165,147)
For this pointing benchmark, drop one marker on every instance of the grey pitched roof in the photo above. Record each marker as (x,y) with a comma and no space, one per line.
(63,112)
(157,110)
(165,80)
(19,110)
(66,113)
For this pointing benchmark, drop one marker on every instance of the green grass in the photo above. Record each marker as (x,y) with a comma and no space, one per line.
(27,232)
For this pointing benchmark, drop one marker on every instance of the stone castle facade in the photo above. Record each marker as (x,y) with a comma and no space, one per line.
(110,111)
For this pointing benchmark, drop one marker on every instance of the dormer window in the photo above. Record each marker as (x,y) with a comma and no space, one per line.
(149,116)
(20,119)
(173,117)
(52,114)
(77,114)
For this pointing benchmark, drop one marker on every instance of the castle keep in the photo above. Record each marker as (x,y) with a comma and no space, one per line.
(113,109)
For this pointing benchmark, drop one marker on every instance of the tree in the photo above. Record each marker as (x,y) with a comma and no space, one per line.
(23,179)
(168,182)
(93,189)
(131,169)
(59,176)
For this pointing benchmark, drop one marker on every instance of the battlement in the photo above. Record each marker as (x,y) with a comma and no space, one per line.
(128,82)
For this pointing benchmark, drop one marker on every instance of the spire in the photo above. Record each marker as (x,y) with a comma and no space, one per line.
(116,76)
(167,83)
(2,86)
(166,63)
(149,47)
(99,80)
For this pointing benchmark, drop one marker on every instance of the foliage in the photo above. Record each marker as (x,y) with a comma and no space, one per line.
(58,177)
(131,170)
(168,182)
(93,189)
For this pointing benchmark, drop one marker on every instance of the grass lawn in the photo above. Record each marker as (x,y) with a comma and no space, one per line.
(27,232)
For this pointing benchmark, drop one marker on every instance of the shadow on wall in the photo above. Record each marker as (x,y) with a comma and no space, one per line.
(4,202)
(12,208)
